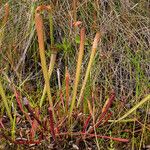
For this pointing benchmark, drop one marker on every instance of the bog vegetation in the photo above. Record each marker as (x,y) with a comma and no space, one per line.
(75,74)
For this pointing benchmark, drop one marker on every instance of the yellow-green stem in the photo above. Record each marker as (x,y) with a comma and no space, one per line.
(50,70)
(51,28)
(78,70)
(14,126)
(95,43)
(8,110)
(54,52)
(39,29)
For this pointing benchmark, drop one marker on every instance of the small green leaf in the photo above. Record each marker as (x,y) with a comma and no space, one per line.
(77,40)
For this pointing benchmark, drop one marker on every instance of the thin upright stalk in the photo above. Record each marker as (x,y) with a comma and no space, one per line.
(53,50)
(6,14)
(39,29)
(50,70)
(4,99)
(67,88)
(78,70)
(93,52)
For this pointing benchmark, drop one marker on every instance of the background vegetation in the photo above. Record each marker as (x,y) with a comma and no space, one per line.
(121,67)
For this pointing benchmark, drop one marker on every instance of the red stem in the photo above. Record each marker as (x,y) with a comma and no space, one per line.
(51,122)
(112,97)
(86,123)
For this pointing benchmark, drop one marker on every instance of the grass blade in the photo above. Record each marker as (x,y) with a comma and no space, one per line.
(134,108)
(6,14)
(8,110)
(5,19)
